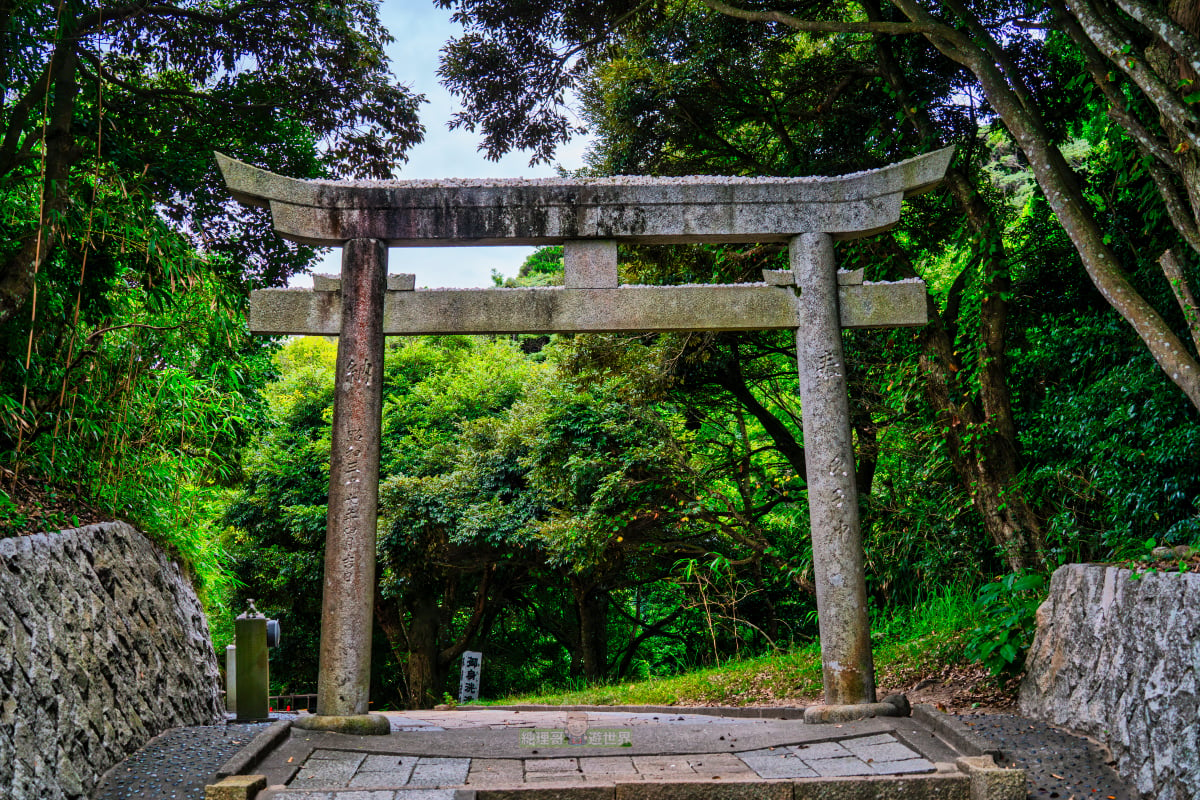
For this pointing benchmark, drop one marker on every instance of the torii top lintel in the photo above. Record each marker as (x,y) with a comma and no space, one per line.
(424,213)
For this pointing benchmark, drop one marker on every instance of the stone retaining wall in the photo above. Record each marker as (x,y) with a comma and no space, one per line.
(1119,660)
(103,645)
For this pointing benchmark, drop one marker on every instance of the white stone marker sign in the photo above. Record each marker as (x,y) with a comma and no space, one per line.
(472,674)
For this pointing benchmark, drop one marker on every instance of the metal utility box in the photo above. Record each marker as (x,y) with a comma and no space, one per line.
(253,635)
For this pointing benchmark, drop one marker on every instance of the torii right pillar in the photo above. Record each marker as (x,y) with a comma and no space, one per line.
(847,664)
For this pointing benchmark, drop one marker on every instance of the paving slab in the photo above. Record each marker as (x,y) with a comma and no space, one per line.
(336,755)
(673,764)
(440,772)
(843,767)
(607,765)
(821,750)
(534,778)
(551,765)
(891,751)
(326,773)
(495,772)
(903,767)
(722,764)
(783,765)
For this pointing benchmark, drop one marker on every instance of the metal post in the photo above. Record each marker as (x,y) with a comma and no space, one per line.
(253,679)
(344,678)
(231,678)
(849,670)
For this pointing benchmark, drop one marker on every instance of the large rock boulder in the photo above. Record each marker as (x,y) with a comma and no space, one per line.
(103,645)
(1117,657)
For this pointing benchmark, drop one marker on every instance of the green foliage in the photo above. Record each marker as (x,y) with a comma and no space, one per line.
(135,387)
(907,641)
(128,383)
(1008,608)
(1110,443)
(276,519)
(544,267)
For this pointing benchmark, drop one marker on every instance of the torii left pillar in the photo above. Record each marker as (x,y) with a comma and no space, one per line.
(344,680)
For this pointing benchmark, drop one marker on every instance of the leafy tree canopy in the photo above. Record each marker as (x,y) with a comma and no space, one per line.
(151,89)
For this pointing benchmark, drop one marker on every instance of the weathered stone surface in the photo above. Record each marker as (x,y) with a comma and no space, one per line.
(354,724)
(706,790)
(1119,660)
(552,211)
(440,772)
(547,792)
(103,645)
(991,782)
(551,765)
(236,787)
(846,660)
(900,703)
(735,307)
(823,714)
(396,282)
(925,787)
(590,264)
(347,599)
(249,756)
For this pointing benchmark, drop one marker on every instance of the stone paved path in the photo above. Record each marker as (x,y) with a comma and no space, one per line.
(877,754)
(177,765)
(441,751)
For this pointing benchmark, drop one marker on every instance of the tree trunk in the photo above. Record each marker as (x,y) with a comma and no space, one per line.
(1057,181)
(591,605)
(987,461)
(18,272)
(732,380)
(424,670)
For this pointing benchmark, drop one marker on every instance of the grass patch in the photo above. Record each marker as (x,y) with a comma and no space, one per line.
(908,643)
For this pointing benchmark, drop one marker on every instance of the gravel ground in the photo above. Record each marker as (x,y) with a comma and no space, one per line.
(179,763)
(176,765)
(1058,764)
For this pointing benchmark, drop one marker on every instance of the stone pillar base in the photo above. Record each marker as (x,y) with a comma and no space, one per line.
(354,724)
(818,715)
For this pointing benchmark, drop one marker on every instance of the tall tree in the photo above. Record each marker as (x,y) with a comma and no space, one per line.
(153,88)
(1156,52)
(698,93)
(1154,49)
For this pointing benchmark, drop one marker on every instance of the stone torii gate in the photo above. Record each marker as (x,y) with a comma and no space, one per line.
(588,217)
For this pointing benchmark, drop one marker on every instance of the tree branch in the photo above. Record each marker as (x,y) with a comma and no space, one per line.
(1169,261)
(103,74)
(97,20)
(1183,221)
(822,26)
(993,49)
(447,655)
(1165,29)
(19,115)
(1157,92)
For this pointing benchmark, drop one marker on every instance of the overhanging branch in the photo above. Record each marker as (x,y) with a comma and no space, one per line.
(826,26)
